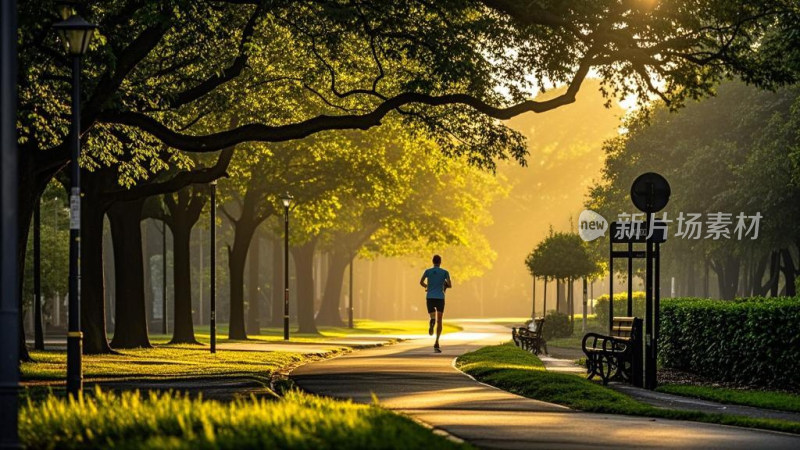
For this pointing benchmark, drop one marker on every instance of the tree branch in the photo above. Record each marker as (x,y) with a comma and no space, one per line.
(265,133)
(177,182)
(229,73)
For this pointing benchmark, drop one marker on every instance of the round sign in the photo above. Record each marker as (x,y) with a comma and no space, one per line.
(650,192)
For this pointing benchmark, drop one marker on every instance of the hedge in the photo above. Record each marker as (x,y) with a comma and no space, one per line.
(620,306)
(754,341)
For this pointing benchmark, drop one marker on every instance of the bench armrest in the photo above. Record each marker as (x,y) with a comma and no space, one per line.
(594,336)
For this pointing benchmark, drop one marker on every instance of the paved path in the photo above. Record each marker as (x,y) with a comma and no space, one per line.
(410,378)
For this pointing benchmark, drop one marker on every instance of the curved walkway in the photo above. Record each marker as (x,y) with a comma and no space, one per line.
(410,378)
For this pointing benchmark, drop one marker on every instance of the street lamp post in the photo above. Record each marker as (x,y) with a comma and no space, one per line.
(163,277)
(212,267)
(76,33)
(533,308)
(350,296)
(38,332)
(9,295)
(287,200)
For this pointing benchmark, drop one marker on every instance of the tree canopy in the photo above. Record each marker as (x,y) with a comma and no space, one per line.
(562,256)
(734,153)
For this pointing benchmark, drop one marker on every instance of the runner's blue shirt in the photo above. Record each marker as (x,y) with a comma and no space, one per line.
(436,277)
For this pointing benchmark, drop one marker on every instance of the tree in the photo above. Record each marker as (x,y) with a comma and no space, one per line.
(740,145)
(415,202)
(563,256)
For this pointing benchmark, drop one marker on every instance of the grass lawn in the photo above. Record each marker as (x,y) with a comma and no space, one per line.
(518,371)
(158,421)
(192,361)
(761,399)
(168,361)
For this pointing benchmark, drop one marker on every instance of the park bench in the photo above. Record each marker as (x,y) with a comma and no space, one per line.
(530,337)
(614,356)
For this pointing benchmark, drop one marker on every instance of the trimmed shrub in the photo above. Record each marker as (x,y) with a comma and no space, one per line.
(620,306)
(754,341)
(556,325)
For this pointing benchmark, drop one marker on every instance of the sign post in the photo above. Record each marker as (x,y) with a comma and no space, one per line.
(650,193)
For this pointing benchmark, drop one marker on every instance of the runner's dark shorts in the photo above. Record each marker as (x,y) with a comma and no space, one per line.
(435,304)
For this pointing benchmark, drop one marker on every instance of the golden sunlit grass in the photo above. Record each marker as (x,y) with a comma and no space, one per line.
(183,361)
(174,361)
(521,372)
(167,420)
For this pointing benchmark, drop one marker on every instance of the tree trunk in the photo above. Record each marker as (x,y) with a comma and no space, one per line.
(130,314)
(184,209)
(544,299)
(329,311)
(727,270)
(691,287)
(304,266)
(561,300)
(758,269)
(789,272)
(253,299)
(237,256)
(93,318)
(183,327)
(571,300)
(30,187)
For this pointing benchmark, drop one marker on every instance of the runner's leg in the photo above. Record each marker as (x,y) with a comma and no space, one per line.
(438,326)
(432,313)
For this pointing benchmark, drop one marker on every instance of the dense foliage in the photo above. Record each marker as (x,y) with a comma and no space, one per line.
(738,152)
(620,306)
(754,341)
(556,325)
(562,256)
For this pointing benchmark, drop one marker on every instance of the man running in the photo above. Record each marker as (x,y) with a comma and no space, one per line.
(438,281)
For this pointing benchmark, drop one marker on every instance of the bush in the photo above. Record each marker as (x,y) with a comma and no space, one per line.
(620,306)
(753,341)
(556,325)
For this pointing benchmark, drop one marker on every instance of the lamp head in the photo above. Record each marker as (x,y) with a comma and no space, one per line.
(76,34)
(286,199)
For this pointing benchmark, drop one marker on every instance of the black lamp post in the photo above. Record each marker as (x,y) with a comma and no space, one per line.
(533,308)
(164,278)
(213,267)
(350,296)
(287,200)
(9,295)
(75,33)
(38,331)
